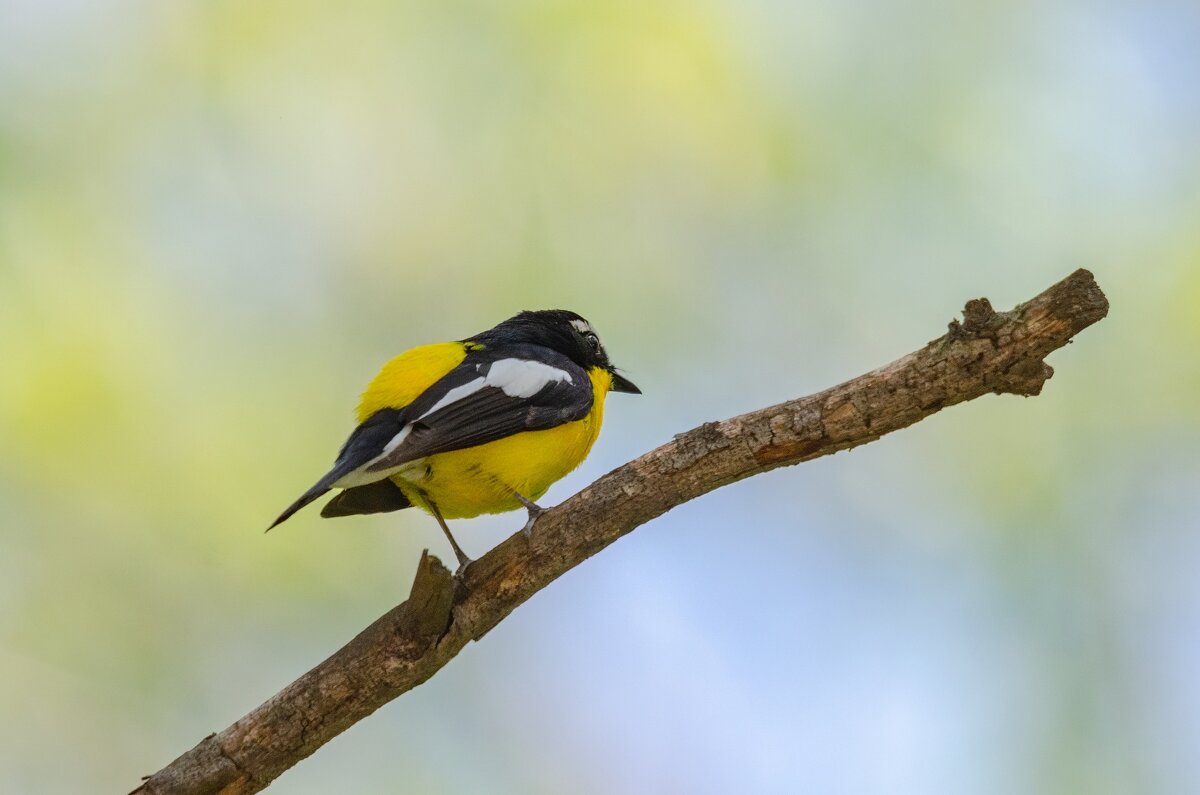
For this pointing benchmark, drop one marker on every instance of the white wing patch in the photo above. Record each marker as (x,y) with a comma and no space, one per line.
(362,476)
(397,440)
(456,394)
(519,378)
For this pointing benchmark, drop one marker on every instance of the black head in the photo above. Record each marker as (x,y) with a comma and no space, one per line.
(562,331)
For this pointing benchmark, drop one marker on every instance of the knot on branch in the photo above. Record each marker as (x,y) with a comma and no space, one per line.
(1015,369)
(979,321)
(1026,378)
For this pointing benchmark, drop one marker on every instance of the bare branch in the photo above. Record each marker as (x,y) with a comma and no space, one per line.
(987,351)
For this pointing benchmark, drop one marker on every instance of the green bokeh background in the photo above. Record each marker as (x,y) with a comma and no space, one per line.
(218,219)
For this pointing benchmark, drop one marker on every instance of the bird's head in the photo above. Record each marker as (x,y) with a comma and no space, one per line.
(565,332)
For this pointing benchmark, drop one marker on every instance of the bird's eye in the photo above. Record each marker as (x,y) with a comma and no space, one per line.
(593,340)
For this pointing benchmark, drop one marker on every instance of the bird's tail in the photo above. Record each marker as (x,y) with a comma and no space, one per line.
(365,445)
(323,485)
(381,496)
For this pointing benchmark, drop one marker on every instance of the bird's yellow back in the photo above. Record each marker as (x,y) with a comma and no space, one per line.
(405,377)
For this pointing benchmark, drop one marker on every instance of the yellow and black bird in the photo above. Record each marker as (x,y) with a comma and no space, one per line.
(481,425)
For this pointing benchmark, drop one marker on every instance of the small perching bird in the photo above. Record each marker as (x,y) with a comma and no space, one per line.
(481,425)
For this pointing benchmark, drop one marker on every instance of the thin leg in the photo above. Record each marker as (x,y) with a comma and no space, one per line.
(463,560)
(535,511)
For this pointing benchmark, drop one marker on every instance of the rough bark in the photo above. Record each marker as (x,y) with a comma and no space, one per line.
(988,351)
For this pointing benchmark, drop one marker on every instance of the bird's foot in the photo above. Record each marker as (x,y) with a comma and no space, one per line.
(535,513)
(463,562)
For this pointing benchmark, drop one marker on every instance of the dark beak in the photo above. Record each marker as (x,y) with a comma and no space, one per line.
(622,384)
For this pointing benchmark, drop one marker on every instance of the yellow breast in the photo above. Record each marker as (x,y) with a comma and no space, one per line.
(481,479)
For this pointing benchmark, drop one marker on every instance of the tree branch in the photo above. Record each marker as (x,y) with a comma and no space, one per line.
(988,351)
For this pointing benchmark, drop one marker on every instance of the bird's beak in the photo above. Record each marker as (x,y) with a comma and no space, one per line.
(622,384)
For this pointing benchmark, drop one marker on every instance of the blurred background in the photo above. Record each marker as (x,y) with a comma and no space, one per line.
(218,219)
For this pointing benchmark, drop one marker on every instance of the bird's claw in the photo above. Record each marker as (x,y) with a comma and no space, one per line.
(461,572)
(535,513)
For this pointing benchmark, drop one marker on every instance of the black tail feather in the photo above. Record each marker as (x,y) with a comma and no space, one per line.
(305,499)
(320,487)
(364,445)
(381,496)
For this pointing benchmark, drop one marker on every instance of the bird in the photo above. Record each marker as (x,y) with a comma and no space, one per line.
(475,426)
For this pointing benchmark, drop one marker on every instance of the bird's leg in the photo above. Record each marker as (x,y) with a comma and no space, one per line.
(535,511)
(463,560)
